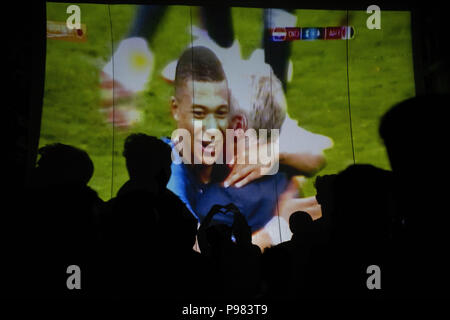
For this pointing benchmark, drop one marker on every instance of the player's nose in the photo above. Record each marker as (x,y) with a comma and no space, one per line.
(209,122)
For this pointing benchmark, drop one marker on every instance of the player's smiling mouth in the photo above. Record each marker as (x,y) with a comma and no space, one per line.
(208,146)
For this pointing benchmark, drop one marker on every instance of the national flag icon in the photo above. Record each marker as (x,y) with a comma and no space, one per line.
(279,34)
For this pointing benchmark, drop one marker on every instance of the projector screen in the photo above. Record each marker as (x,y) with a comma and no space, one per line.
(322,78)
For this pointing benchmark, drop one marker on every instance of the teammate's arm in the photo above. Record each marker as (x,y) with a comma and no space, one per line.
(298,148)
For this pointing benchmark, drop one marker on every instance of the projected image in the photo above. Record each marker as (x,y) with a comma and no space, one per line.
(255,102)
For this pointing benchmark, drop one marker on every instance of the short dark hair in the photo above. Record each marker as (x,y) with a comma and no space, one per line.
(198,64)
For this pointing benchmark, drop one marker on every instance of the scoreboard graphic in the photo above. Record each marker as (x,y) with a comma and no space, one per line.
(312,33)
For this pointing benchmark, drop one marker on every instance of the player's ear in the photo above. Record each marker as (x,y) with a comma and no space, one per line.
(174,108)
(239,122)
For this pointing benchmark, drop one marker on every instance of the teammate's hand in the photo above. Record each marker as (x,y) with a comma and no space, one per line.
(242,174)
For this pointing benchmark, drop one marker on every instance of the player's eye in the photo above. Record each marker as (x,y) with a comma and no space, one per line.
(222,112)
(198,114)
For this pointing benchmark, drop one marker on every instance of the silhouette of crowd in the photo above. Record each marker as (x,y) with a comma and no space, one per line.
(140,244)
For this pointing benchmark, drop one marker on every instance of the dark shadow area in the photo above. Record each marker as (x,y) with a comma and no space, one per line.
(140,244)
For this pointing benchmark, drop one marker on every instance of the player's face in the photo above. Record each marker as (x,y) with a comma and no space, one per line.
(207,104)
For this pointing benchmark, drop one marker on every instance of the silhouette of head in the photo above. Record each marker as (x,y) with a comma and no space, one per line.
(147,158)
(412,129)
(361,193)
(300,222)
(63,164)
